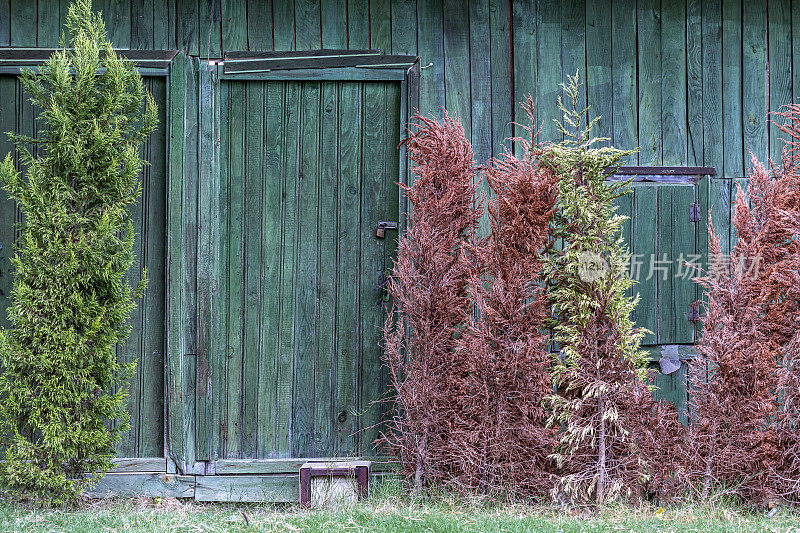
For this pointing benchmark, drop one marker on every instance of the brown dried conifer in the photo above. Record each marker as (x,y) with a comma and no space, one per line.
(499,441)
(429,287)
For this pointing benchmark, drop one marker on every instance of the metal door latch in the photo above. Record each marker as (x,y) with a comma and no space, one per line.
(383,225)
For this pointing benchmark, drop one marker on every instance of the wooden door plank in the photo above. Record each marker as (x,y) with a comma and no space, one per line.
(210,21)
(207,222)
(649,31)
(5,23)
(220,349)
(289,248)
(623,71)
(754,84)
(283,25)
(684,239)
(481,82)
(780,69)
(373,250)
(117,18)
(547,77)
(733,153)
(663,271)
(645,212)
(142,25)
(599,86)
(272,187)
(573,44)
(306,304)
(151,362)
(348,326)
(253,266)
(357,24)
(48,28)
(259,25)
(624,207)
(237,152)
(8,209)
(322,442)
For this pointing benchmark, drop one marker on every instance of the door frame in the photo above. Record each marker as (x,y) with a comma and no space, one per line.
(193,176)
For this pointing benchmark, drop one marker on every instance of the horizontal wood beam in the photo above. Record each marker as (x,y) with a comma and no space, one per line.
(140,484)
(320,74)
(318,62)
(139,464)
(327,52)
(279,488)
(29,57)
(665,171)
(292,465)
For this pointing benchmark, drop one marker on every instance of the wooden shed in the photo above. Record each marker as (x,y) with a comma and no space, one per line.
(276,160)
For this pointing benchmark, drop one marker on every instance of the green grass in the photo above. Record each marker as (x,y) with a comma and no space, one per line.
(388,511)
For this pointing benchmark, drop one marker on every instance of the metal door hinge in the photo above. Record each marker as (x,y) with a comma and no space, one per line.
(694,312)
(694,212)
(383,225)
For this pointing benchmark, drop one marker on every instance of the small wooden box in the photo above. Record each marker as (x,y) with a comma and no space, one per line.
(333,483)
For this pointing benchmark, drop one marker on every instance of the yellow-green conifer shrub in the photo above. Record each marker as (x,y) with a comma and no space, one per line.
(70,298)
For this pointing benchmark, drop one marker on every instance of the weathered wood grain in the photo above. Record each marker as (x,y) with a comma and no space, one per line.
(270,488)
(147,485)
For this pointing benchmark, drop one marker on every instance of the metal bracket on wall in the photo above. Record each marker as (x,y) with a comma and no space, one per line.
(694,212)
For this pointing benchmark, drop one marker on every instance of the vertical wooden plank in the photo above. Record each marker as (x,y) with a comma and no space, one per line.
(721,200)
(5,22)
(431,50)
(754,79)
(334,23)
(307,24)
(163,26)
(548,78)
(252,276)
(573,43)
(404,26)
(207,217)
(599,86)
(176,443)
(481,81)
(456,58)
(645,216)
(47,24)
(221,294)
(259,25)
(236,226)
(188,26)
(780,68)
(283,25)
(322,443)
(662,266)
(380,25)
(348,324)
(796,50)
(525,16)
(289,250)
(8,119)
(624,207)
(713,148)
(189,241)
(235,24)
(307,282)
(210,20)
(358,24)
(142,20)
(672,387)
(23,24)
(502,77)
(695,63)
(732,132)
(117,18)
(373,250)
(673,83)
(683,237)
(151,363)
(623,68)
(650,80)
(272,189)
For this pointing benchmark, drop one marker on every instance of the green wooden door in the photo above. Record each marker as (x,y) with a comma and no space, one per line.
(146,342)
(663,237)
(308,170)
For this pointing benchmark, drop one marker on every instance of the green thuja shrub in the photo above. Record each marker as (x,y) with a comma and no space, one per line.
(62,389)
(602,399)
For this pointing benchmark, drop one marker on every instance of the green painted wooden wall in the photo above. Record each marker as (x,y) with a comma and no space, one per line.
(146,341)
(691,82)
